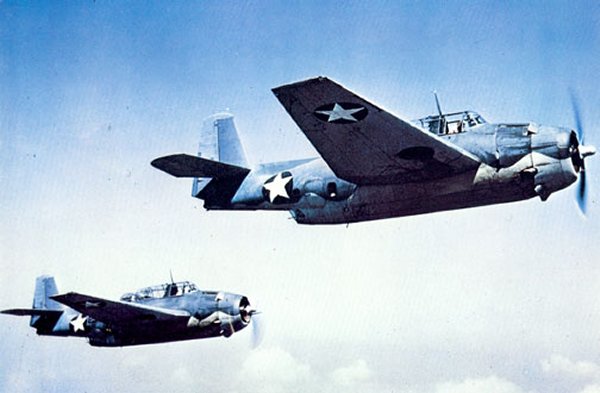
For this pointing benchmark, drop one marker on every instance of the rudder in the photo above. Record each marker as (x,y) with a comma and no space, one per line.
(45,286)
(219,141)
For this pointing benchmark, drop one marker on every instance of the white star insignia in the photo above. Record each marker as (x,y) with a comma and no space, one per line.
(339,113)
(78,323)
(277,187)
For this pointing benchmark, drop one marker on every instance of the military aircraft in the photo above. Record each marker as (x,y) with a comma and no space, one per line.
(375,165)
(170,312)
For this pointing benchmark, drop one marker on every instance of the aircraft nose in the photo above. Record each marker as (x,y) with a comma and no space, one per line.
(246,309)
(579,151)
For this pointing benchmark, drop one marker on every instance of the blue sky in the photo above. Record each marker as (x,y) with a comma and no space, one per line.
(501,298)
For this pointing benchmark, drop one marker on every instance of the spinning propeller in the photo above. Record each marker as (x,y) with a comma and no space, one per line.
(249,314)
(578,154)
(257,331)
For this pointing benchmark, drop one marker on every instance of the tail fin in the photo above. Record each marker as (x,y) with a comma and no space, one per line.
(219,141)
(45,286)
(220,166)
(45,312)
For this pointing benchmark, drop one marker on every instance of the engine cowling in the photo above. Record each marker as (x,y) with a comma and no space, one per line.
(552,174)
(552,158)
(235,314)
(229,312)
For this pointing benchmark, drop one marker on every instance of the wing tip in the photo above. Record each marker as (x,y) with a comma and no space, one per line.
(316,79)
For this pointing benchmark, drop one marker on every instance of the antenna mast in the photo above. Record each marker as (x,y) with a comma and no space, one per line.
(442,123)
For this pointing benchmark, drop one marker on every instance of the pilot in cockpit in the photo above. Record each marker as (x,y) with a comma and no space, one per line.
(171,290)
(470,120)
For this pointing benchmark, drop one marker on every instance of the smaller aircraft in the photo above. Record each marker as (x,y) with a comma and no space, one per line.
(170,312)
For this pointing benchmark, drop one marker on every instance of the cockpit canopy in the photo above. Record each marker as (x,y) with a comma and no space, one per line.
(450,123)
(161,291)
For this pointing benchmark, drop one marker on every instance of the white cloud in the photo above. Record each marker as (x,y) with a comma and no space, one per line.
(591,389)
(134,361)
(351,375)
(491,384)
(19,382)
(181,376)
(273,370)
(276,370)
(561,365)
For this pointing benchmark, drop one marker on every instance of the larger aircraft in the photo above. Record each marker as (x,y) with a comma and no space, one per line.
(374,165)
(170,312)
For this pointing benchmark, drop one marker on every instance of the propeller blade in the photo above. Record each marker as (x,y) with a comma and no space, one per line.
(577,115)
(581,194)
(580,153)
(257,331)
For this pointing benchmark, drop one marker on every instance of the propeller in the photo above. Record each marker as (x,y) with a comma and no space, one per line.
(257,330)
(579,152)
(250,314)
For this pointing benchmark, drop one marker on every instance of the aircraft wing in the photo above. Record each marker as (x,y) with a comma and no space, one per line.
(364,144)
(118,313)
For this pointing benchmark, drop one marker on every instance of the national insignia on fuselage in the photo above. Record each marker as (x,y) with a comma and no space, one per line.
(78,323)
(279,188)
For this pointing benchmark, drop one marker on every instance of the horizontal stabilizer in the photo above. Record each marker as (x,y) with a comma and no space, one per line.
(31,311)
(185,165)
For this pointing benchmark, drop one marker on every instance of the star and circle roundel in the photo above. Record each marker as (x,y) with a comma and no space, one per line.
(279,188)
(341,112)
(78,323)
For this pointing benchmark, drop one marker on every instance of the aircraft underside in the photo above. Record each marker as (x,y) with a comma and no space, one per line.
(158,336)
(387,201)
(374,209)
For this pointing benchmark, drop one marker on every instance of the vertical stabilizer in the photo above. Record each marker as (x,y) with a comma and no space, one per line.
(219,141)
(45,286)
